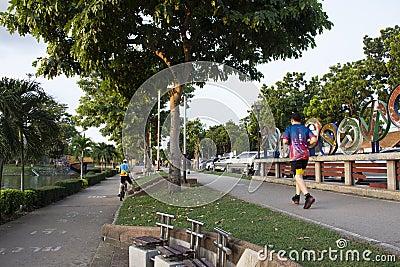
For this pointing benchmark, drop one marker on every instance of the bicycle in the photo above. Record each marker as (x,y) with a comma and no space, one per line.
(124,189)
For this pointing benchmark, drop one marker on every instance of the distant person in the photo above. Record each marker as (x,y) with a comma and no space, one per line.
(124,170)
(297,136)
(124,166)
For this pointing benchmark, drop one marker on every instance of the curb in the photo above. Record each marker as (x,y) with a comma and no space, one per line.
(345,189)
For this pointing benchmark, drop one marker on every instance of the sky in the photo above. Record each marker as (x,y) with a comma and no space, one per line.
(353,19)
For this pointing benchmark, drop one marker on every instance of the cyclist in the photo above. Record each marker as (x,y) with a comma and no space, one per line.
(124,169)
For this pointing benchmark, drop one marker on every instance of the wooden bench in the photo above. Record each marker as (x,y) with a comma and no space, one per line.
(203,262)
(175,251)
(148,241)
(151,242)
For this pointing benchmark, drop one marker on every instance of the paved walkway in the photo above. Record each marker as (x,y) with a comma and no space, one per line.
(373,220)
(65,233)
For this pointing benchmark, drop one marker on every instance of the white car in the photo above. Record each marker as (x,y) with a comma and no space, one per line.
(244,162)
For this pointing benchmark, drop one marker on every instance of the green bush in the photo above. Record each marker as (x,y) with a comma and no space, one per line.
(31,199)
(85,183)
(71,185)
(50,194)
(95,178)
(110,172)
(12,200)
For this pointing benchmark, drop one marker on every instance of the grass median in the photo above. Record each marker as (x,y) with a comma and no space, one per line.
(306,243)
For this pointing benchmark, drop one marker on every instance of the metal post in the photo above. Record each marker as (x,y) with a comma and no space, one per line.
(257,107)
(184,139)
(258,140)
(158,131)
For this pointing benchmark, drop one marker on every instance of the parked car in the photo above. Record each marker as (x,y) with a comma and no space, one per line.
(221,163)
(244,162)
(210,164)
(202,164)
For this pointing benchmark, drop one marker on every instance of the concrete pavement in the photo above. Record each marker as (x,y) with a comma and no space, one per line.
(65,233)
(370,219)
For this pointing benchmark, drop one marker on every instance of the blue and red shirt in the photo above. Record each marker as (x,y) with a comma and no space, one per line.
(298,135)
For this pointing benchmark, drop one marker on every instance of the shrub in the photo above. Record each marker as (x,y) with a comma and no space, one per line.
(109,173)
(95,178)
(71,185)
(30,199)
(85,183)
(12,200)
(49,194)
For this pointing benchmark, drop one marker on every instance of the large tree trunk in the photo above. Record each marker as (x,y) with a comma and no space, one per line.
(175,152)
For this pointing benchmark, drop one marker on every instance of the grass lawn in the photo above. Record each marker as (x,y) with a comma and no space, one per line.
(259,226)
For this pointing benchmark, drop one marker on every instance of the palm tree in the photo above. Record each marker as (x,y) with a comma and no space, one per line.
(29,110)
(81,147)
(8,139)
(103,153)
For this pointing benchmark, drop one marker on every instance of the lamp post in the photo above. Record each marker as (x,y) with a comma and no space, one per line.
(184,138)
(158,130)
(257,108)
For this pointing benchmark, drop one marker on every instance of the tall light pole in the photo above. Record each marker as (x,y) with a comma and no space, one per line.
(184,139)
(158,131)
(257,108)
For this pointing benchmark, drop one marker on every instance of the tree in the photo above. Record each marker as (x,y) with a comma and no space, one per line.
(80,147)
(195,132)
(220,137)
(29,111)
(343,92)
(8,141)
(291,94)
(383,60)
(60,143)
(103,153)
(102,36)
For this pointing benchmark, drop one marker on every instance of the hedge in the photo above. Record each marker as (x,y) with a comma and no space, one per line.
(31,200)
(71,185)
(95,178)
(50,194)
(12,199)
(110,172)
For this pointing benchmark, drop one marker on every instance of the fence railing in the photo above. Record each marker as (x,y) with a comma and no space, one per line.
(379,170)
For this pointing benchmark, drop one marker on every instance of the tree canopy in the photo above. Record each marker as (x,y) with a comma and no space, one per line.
(126,40)
(28,118)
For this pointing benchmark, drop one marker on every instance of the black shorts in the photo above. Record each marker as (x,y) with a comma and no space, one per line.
(126,178)
(299,164)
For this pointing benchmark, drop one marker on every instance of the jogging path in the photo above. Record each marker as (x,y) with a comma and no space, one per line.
(373,220)
(65,233)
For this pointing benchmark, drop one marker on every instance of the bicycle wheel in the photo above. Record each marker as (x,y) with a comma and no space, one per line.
(122,195)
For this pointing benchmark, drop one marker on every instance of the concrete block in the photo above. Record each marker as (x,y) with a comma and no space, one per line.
(160,261)
(139,257)
(248,258)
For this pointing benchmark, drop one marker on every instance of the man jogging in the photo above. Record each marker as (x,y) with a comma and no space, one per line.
(297,136)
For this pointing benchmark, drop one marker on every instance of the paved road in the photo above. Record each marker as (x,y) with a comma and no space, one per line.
(371,219)
(66,233)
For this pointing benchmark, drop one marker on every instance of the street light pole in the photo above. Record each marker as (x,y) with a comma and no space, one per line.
(257,107)
(158,132)
(184,139)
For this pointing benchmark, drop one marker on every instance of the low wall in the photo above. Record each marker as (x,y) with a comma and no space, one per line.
(348,168)
(242,252)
